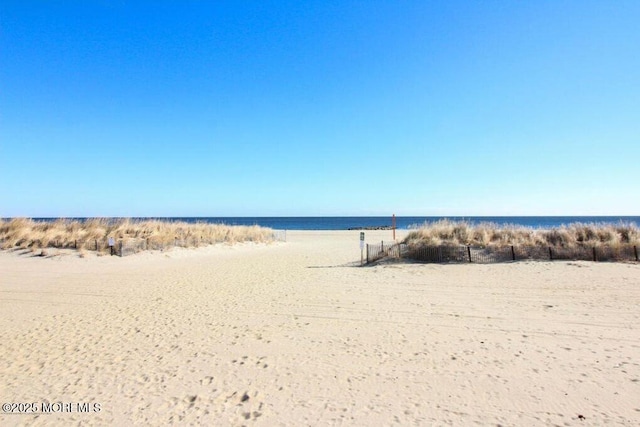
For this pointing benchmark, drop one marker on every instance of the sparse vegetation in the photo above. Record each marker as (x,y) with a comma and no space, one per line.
(92,234)
(491,235)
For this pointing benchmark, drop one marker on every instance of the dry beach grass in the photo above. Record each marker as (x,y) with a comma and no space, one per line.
(26,233)
(447,232)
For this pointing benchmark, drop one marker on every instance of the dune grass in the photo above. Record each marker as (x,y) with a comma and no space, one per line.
(491,235)
(25,233)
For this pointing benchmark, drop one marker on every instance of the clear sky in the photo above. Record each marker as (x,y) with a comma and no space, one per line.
(295,108)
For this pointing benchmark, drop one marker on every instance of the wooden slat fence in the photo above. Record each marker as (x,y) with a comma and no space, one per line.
(130,246)
(376,252)
(479,255)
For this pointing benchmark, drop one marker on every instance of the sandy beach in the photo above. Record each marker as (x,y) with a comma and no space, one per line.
(297,333)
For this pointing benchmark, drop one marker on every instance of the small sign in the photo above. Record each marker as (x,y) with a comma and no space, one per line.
(362,236)
(361,244)
(112,241)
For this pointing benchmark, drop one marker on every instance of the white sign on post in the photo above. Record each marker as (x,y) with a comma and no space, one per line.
(112,243)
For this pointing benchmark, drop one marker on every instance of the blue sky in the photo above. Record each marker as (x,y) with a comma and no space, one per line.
(258,108)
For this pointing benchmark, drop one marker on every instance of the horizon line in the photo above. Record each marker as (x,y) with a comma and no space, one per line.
(325,216)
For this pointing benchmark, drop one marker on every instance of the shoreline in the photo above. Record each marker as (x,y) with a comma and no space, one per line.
(346,222)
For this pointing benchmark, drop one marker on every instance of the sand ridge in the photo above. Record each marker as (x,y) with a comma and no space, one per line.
(296,334)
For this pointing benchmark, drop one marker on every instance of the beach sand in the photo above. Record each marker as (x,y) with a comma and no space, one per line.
(297,334)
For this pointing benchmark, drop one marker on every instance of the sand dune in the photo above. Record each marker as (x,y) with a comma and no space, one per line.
(296,334)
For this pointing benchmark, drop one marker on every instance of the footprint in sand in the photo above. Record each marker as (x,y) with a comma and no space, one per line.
(208,380)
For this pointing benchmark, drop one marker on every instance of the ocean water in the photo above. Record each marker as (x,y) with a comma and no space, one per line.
(402,222)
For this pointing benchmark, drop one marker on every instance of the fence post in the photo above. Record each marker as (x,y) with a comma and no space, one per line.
(550,254)
(121,249)
(96,244)
(469,252)
(635,251)
(594,254)
(382,246)
(513,254)
(75,244)
(367,253)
